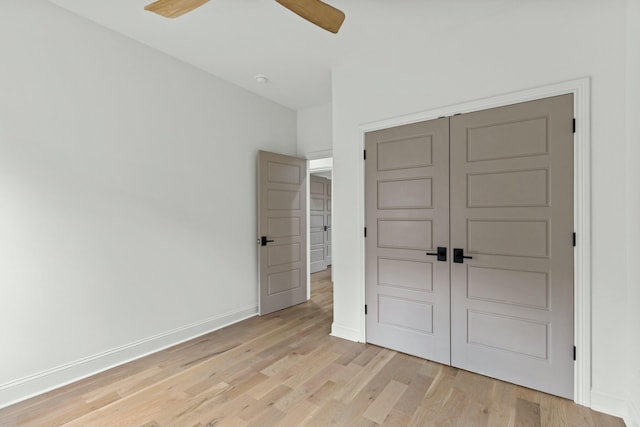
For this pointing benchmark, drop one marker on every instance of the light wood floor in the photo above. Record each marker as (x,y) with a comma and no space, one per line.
(285,370)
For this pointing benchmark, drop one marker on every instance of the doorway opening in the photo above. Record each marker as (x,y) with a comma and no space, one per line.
(319,217)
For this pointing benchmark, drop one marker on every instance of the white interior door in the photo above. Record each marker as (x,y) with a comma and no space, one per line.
(282,231)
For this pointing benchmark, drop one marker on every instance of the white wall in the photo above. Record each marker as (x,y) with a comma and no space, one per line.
(516,47)
(127,183)
(315,132)
(633,209)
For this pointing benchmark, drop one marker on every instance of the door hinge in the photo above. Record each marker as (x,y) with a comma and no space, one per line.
(574,240)
(574,352)
(364,154)
(365,310)
(574,125)
(365,232)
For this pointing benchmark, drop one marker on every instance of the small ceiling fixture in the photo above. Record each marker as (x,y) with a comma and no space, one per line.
(261,79)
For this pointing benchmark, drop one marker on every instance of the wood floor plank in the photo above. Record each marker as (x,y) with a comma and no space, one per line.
(439,390)
(452,407)
(321,377)
(579,415)
(423,417)
(327,414)
(298,414)
(268,401)
(397,418)
(284,369)
(502,415)
(551,415)
(215,412)
(382,405)
(414,394)
(527,413)
(475,413)
(310,366)
(362,378)
(324,393)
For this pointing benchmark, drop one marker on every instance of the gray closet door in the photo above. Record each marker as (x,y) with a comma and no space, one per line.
(509,268)
(512,212)
(407,217)
(282,231)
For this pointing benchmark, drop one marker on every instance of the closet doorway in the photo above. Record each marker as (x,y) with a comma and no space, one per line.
(469,250)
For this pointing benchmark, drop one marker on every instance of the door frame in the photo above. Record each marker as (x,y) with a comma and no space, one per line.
(580,88)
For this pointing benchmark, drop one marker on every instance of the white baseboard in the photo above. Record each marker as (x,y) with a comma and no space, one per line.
(608,403)
(345,333)
(632,418)
(42,382)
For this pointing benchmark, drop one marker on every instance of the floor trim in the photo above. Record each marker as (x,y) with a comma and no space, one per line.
(632,417)
(50,379)
(581,89)
(608,403)
(345,333)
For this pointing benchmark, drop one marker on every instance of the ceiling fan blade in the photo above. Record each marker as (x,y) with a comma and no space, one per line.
(173,8)
(316,12)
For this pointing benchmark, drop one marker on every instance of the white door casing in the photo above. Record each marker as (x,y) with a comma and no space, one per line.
(581,90)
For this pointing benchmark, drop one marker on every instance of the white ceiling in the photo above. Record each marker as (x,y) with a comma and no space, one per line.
(238,39)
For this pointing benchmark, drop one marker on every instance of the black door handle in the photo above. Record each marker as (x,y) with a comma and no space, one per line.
(264,241)
(459,256)
(441,254)
(326,228)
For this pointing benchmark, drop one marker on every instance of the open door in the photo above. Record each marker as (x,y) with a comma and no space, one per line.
(282,235)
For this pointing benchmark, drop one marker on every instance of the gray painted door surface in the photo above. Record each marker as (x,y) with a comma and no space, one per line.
(512,212)
(407,205)
(282,222)
(511,201)
(319,223)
